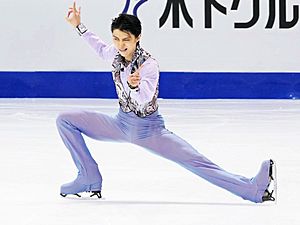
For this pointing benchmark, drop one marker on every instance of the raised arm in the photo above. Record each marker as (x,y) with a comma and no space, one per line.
(106,52)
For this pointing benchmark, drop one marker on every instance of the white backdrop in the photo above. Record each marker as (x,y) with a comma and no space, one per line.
(34,37)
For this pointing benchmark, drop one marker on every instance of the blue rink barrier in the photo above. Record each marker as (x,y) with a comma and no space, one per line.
(182,85)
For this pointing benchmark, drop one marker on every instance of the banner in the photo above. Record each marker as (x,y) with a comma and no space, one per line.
(183,35)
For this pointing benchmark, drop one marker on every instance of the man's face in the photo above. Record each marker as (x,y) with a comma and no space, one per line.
(125,42)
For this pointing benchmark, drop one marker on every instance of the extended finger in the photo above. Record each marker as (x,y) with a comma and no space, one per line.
(141,66)
(136,73)
(74,7)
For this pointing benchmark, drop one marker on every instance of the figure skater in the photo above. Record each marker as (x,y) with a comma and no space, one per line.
(136,75)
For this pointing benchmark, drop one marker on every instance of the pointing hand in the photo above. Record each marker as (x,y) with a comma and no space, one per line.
(73,16)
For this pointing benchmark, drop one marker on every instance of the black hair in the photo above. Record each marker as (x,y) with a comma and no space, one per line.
(127,23)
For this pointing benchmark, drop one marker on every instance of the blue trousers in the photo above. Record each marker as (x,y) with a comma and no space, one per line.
(150,133)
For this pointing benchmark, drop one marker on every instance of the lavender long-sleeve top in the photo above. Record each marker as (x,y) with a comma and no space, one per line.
(149,73)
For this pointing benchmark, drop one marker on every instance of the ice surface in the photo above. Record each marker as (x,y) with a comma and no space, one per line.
(142,188)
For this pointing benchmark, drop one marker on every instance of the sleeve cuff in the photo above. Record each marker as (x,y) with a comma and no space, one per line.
(81,29)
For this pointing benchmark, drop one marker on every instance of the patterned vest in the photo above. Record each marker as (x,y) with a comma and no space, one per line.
(126,103)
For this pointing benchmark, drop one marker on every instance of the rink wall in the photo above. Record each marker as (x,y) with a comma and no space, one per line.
(182,85)
(200,46)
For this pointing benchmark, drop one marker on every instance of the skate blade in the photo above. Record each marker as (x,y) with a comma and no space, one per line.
(83,195)
(96,194)
(272,187)
(65,195)
(274,175)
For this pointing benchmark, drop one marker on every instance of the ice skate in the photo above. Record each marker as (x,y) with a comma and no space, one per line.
(92,183)
(264,182)
(77,186)
(270,193)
